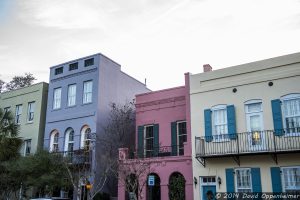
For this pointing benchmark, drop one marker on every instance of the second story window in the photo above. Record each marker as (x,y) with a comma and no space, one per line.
(72,95)
(89,62)
(87,91)
(58,70)
(73,66)
(291,113)
(18,114)
(219,122)
(57,98)
(182,136)
(149,140)
(30,111)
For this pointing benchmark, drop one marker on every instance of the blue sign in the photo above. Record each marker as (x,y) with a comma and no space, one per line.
(151,180)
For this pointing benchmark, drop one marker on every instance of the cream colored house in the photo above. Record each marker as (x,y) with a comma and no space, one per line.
(245,124)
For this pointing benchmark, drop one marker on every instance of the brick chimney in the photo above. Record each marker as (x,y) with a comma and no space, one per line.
(207,68)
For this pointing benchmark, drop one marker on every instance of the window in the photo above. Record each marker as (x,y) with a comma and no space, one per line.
(243,180)
(291,113)
(291,179)
(72,95)
(59,70)
(73,66)
(30,111)
(18,113)
(86,137)
(54,141)
(69,142)
(57,98)
(27,147)
(6,110)
(219,122)
(89,62)
(149,140)
(5,121)
(182,136)
(87,91)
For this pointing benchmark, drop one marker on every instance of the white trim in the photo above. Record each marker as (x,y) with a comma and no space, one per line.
(145,146)
(282,177)
(235,178)
(213,110)
(52,134)
(218,107)
(82,135)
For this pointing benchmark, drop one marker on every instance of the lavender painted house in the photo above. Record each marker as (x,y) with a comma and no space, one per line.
(80,92)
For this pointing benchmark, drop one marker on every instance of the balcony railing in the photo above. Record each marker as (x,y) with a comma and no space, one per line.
(76,157)
(259,142)
(161,151)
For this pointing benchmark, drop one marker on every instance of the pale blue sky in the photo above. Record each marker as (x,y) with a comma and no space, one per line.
(153,39)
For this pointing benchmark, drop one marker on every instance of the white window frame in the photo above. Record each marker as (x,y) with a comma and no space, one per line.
(284,187)
(148,138)
(30,112)
(67,139)
(72,96)
(53,143)
(26,147)
(87,96)
(18,113)
(182,135)
(57,98)
(85,139)
(225,136)
(285,98)
(236,179)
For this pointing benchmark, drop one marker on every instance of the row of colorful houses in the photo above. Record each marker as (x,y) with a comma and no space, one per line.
(235,129)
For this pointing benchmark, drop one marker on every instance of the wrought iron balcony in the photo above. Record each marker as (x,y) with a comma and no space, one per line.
(76,157)
(161,151)
(247,143)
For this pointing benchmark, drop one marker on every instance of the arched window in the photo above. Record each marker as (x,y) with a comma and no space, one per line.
(85,142)
(69,140)
(54,141)
(177,186)
(154,192)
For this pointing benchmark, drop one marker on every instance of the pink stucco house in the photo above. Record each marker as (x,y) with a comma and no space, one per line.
(163,140)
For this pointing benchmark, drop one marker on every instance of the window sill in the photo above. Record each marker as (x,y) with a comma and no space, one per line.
(292,134)
(87,103)
(221,140)
(55,109)
(29,122)
(71,106)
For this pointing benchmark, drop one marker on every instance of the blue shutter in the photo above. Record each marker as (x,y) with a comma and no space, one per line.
(231,124)
(156,139)
(229,180)
(208,125)
(141,141)
(276,179)
(277,117)
(174,138)
(255,177)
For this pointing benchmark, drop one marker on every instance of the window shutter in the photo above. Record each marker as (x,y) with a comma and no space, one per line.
(277,117)
(231,124)
(156,139)
(208,125)
(276,179)
(256,182)
(229,180)
(141,141)
(174,138)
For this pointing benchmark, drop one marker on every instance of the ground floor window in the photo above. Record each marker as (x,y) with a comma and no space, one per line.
(291,178)
(243,180)
(176,186)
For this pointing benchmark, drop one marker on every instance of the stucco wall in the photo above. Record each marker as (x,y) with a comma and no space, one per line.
(29,130)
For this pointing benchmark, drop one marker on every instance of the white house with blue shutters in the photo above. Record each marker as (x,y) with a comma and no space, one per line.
(245,126)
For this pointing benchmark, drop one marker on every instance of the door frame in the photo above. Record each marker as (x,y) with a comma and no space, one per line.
(207,184)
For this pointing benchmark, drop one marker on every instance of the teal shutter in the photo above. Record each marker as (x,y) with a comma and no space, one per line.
(141,141)
(277,117)
(208,125)
(255,177)
(229,180)
(156,139)
(231,123)
(174,138)
(276,179)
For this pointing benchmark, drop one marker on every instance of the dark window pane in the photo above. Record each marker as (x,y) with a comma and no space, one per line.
(73,66)
(89,62)
(59,70)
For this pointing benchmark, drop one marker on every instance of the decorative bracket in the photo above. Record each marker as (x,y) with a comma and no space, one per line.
(201,161)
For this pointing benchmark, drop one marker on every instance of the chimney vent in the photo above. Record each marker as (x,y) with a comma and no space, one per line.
(207,68)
